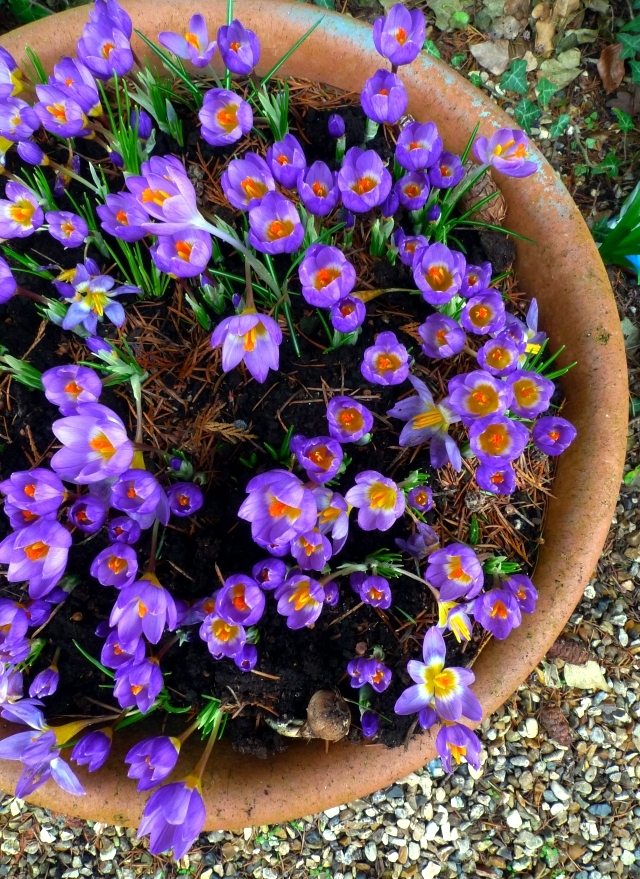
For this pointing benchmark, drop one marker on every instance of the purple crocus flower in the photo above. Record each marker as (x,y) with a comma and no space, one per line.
(67,228)
(370,724)
(408,245)
(152,760)
(165,192)
(286,159)
(14,621)
(526,334)
(75,78)
(363,180)
(193,45)
(21,518)
(373,589)
(531,393)
(185,498)
(278,506)
(441,337)
(10,75)
(138,683)
(37,553)
(390,205)
(240,601)
(454,617)
(250,337)
(349,421)
(39,491)
(92,300)
(11,685)
(68,386)
(369,671)
(14,651)
(143,608)
(110,12)
(326,275)
(276,549)
(93,749)
(420,498)
(413,190)
(239,47)
(498,611)
(447,172)
(300,600)
(20,212)
(18,120)
(447,688)
(137,493)
(476,279)
(31,153)
(88,514)
(122,529)
(378,499)
(117,565)
(104,48)
(496,478)
(320,456)
(523,590)
(423,541)
(419,146)
(333,515)
(384,98)
(496,439)
(221,637)
(476,394)
(173,817)
(274,225)
(318,189)
(246,181)
(247,658)
(455,741)
(336,125)
(499,356)
(123,217)
(225,117)
(59,113)
(8,284)
(311,550)
(455,571)
(183,255)
(428,420)
(438,272)
(331,593)
(552,435)
(45,683)
(506,150)
(116,652)
(399,36)
(348,314)
(386,362)
(270,573)
(483,313)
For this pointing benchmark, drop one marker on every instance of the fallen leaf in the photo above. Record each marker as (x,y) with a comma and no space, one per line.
(631,335)
(586,677)
(569,58)
(564,8)
(518,8)
(558,74)
(494,57)
(550,675)
(611,67)
(506,27)
(545,32)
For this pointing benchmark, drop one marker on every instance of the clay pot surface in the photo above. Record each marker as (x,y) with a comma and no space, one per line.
(562,269)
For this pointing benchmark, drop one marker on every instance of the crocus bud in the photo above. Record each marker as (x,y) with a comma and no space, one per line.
(369,722)
(336,125)
(145,125)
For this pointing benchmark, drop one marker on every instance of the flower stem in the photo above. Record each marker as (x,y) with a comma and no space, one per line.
(202,762)
(154,543)
(28,294)
(253,261)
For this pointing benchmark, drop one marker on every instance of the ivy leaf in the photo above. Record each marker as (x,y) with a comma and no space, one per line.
(610,166)
(526,112)
(326,4)
(635,71)
(631,27)
(431,49)
(545,91)
(630,45)
(515,78)
(580,170)
(476,79)
(636,4)
(458,60)
(560,125)
(624,120)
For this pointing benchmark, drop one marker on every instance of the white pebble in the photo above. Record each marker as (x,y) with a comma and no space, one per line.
(514,819)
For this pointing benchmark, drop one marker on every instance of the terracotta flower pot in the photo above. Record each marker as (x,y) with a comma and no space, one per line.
(562,269)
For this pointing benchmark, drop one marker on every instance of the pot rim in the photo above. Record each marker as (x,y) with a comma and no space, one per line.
(577,308)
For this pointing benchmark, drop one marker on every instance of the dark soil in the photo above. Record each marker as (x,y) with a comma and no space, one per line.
(180,399)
